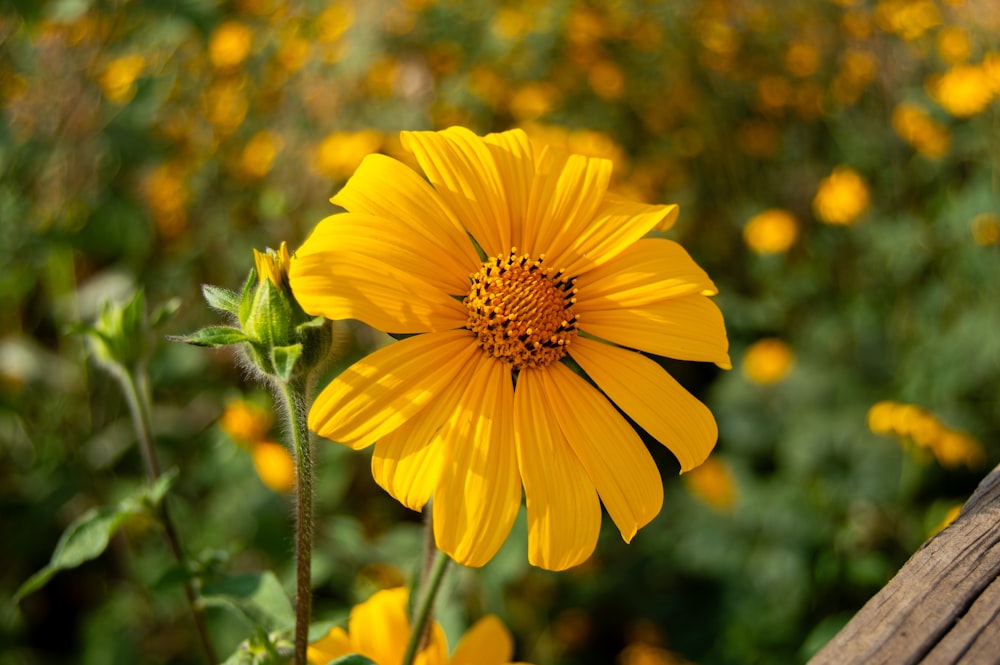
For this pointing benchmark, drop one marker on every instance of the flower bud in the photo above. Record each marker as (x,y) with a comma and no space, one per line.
(277,336)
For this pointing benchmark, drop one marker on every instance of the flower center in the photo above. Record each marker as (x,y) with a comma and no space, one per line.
(521,310)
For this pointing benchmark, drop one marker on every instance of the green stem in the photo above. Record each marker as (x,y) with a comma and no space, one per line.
(421,622)
(295,401)
(137,396)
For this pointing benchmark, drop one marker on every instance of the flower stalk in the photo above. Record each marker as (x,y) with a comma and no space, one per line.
(295,402)
(423,611)
(117,342)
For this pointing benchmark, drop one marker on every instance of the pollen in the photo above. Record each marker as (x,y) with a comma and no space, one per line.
(521,310)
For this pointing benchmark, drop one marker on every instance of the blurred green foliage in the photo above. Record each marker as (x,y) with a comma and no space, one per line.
(153,145)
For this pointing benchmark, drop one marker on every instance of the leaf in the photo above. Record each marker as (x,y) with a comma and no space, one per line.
(212,336)
(257,598)
(352,659)
(163,484)
(283,360)
(85,539)
(221,299)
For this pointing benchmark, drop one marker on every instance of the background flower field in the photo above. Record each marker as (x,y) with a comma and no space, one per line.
(837,164)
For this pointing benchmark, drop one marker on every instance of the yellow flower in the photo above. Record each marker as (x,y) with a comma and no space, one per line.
(507,263)
(963,91)
(245,421)
(273,265)
(713,483)
(341,152)
(379,628)
(259,153)
(118,79)
(230,45)
(274,465)
(915,126)
(841,197)
(986,229)
(771,232)
(767,361)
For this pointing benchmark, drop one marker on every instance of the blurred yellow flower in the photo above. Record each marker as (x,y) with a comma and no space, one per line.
(767,361)
(532,101)
(802,58)
(841,197)
(953,449)
(379,628)
(953,44)
(881,417)
(229,45)
(963,90)
(606,79)
(334,21)
(441,406)
(246,422)
(713,483)
(274,465)
(647,654)
(341,152)
(911,423)
(986,229)
(948,518)
(907,18)
(118,78)
(259,153)
(166,192)
(915,126)
(771,231)
(510,23)
(225,105)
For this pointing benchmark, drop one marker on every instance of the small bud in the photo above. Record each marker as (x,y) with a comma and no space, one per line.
(277,336)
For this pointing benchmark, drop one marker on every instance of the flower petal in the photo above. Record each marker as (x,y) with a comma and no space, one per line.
(479,493)
(383,390)
(410,200)
(650,397)
(487,642)
(617,225)
(564,515)
(407,462)
(651,270)
(686,328)
(379,627)
(515,159)
(367,268)
(462,170)
(333,645)
(566,194)
(615,458)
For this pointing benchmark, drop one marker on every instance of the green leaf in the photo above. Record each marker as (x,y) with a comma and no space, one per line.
(221,299)
(352,659)
(283,360)
(163,484)
(257,598)
(213,336)
(85,539)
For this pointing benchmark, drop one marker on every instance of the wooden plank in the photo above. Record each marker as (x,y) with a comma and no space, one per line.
(975,637)
(942,606)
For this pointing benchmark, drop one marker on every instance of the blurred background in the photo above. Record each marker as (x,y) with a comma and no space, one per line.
(837,163)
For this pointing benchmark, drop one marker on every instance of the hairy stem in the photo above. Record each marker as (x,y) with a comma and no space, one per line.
(293,394)
(136,391)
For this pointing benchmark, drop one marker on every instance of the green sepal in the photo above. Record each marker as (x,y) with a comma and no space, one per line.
(283,360)
(352,659)
(221,299)
(246,299)
(213,336)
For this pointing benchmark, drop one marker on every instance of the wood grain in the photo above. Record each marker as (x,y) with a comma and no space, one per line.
(943,606)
